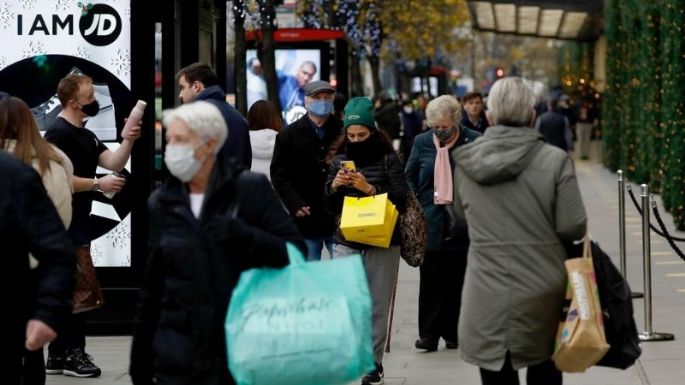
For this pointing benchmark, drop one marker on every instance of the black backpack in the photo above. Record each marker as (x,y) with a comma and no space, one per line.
(617,309)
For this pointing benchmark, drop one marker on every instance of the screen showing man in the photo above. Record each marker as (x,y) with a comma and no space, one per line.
(295,68)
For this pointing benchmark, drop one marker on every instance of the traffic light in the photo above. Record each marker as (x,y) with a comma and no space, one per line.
(499,73)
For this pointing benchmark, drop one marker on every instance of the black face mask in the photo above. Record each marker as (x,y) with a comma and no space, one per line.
(91,109)
(366,151)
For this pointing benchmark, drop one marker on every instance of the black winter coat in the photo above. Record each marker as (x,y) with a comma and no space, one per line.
(237,145)
(29,223)
(193,267)
(298,173)
(385,173)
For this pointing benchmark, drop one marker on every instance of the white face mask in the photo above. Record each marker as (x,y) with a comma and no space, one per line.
(181,162)
(408,109)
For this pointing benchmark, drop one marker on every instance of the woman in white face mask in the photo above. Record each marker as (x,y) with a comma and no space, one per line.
(208,222)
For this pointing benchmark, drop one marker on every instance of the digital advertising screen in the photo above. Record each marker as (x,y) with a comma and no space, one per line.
(43,41)
(295,67)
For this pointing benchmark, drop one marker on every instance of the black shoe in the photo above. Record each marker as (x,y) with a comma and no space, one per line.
(55,364)
(374,377)
(451,345)
(78,363)
(426,344)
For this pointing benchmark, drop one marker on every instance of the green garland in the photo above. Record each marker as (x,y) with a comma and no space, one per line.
(644,116)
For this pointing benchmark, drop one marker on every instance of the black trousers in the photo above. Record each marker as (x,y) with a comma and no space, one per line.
(442,278)
(72,335)
(541,374)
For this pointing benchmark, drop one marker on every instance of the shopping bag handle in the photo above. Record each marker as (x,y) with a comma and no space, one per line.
(294,254)
(587,253)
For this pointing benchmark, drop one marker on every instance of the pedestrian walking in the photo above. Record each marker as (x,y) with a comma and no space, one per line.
(298,168)
(378,170)
(198,81)
(429,176)
(555,127)
(265,123)
(474,116)
(209,222)
(521,200)
(77,96)
(38,301)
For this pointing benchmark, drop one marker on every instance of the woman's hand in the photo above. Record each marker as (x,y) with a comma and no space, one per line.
(358,181)
(341,179)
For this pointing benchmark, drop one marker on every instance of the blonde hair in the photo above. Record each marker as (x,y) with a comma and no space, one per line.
(511,102)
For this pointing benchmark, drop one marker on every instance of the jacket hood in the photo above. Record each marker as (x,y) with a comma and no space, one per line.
(263,142)
(500,155)
(212,92)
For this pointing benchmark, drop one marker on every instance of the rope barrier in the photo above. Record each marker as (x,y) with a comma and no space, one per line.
(651,226)
(668,236)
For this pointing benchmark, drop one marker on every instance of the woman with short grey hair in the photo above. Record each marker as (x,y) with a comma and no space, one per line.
(521,200)
(429,175)
(209,222)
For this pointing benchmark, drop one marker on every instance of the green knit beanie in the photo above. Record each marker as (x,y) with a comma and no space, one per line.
(359,110)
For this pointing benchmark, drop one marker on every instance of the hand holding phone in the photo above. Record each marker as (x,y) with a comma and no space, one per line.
(348,166)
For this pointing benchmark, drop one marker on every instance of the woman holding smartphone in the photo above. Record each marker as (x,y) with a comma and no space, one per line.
(376,169)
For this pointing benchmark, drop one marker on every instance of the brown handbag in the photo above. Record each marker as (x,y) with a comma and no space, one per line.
(87,292)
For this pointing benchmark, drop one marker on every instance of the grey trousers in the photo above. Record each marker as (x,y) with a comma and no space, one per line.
(584,131)
(381,272)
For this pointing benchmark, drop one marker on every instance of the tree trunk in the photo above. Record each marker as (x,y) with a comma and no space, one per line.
(240,61)
(374,61)
(268,52)
(355,75)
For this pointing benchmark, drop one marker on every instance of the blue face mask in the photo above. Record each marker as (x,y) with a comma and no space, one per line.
(321,107)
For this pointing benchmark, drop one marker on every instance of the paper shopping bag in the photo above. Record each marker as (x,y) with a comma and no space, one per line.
(369,220)
(580,341)
(304,324)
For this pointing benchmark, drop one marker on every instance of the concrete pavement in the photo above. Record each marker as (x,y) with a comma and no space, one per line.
(662,363)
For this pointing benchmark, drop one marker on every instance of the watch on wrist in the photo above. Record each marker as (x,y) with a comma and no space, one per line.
(96,184)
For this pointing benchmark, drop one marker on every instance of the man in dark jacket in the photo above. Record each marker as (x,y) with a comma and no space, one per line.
(555,127)
(298,168)
(38,302)
(199,82)
(387,115)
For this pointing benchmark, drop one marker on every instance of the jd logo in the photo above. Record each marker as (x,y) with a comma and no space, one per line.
(100,24)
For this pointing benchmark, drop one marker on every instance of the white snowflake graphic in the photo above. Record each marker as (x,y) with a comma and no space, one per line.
(96,253)
(83,52)
(63,4)
(27,4)
(119,235)
(127,12)
(3,62)
(122,62)
(34,48)
(6,15)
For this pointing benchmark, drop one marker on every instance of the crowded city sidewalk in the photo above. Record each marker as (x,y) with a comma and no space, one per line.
(661,363)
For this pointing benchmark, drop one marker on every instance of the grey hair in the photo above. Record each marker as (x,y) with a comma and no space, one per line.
(511,102)
(441,107)
(203,118)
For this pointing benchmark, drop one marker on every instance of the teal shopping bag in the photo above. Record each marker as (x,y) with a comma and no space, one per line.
(305,324)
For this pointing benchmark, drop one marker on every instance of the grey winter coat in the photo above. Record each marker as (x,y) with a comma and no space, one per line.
(520,198)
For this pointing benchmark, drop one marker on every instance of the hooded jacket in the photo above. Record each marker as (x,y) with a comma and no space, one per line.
(237,144)
(521,200)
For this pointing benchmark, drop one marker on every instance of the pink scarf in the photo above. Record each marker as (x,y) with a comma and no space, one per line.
(442,176)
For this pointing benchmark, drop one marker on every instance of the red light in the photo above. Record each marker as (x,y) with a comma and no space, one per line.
(334,83)
(499,72)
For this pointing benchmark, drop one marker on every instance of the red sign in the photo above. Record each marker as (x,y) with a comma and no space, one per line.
(291,35)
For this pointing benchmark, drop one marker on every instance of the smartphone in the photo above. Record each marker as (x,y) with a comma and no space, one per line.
(348,166)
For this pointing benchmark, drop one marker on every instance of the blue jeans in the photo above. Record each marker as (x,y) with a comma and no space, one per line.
(315,245)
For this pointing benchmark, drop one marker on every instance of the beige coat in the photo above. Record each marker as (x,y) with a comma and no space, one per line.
(57,183)
(520,198)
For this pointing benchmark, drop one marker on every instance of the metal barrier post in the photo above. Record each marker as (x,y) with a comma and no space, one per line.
(649,334)
(622,223)
(622,230)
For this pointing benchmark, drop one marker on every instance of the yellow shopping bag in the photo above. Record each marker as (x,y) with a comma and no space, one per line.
(368,220)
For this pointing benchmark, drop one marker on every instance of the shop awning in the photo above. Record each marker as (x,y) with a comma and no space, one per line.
(569,20)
